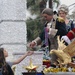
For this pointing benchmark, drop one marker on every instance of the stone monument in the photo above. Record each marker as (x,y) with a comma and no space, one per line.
(13,27)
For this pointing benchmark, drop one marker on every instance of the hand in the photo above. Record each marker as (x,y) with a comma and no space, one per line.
(32,44)
(30,53)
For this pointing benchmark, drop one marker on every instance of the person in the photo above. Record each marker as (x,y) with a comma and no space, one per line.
(17,61)
(47,13)
(63,12)
(5,69)
(56,28)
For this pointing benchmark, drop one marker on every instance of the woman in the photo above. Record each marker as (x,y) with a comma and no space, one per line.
(5,69)
(69,37)
(17,61)
(4,65)
(63,12)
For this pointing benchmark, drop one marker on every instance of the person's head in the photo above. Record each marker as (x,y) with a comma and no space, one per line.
(63,10)
(47,13)
(3,53)
(3,64)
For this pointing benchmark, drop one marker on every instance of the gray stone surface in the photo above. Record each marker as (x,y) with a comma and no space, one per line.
(13,39)
(12,9)
(13,33)
(37,59)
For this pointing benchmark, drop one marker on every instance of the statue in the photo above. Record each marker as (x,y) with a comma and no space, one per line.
(64,53)
(31,67)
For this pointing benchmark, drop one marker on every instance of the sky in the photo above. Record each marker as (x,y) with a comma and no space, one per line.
(68,3)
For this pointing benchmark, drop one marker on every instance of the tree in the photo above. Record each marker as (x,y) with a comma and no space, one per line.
(57,1)
(50,4)
(35,26)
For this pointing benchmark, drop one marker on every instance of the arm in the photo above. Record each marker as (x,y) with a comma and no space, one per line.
(22,57)
(37,41)
(70,35)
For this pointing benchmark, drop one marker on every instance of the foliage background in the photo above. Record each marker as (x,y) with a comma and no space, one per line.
(35,26)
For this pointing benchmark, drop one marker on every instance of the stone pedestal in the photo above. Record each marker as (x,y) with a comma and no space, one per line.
(13,33)
(37,60)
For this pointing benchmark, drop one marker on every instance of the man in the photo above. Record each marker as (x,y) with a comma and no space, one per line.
(47,13)
(51,30)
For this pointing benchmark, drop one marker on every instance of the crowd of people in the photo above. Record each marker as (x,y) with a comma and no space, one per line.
(57,24)
(54,26)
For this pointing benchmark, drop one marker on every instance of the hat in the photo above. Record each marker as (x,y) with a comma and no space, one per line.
(63,8)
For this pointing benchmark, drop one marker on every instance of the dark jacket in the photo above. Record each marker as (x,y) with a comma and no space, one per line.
(60,26)
(10,72)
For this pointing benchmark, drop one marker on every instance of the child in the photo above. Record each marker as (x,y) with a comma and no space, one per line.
(5,69)
(19,59)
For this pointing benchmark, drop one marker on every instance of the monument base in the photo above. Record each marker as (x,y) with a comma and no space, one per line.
(32,73)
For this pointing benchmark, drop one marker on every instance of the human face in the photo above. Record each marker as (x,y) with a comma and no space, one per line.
(5,53)
(47,17)
(62,14)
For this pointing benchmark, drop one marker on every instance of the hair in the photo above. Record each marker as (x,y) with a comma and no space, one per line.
(47,11)
(63,8)
(3,64)
(54,12)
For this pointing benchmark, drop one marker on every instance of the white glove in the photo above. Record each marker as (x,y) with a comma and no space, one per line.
(66,39)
